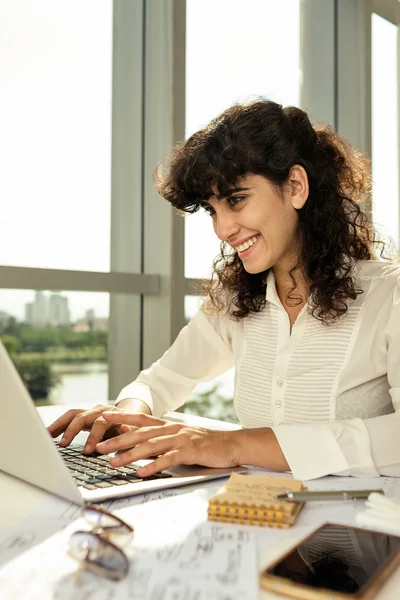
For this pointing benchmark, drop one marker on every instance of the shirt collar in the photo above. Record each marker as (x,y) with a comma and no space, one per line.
(271,293)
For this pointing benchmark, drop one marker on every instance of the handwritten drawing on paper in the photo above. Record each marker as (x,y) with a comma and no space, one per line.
(176,555)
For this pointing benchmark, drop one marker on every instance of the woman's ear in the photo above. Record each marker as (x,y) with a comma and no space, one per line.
(298,188)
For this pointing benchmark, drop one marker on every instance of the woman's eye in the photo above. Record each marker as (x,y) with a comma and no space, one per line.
(209,210)
(235,200)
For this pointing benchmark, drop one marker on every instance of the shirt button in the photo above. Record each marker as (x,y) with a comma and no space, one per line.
(280,382)
(278,403)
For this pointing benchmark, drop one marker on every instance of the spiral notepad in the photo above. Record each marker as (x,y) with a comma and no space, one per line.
(251,500)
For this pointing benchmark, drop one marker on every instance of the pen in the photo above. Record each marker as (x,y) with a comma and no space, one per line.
(329,495)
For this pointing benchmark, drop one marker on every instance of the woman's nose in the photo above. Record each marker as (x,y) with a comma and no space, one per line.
(225,226)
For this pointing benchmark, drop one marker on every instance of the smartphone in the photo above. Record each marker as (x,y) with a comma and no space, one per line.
(338,562)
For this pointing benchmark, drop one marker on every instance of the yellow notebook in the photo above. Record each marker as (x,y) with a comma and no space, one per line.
(251,500)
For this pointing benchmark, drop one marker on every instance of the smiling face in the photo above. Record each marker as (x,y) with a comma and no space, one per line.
(259,223)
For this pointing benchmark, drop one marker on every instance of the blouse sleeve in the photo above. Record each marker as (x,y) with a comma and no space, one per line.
(201,351)
(357,447)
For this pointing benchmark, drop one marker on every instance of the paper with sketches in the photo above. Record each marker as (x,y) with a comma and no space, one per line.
(54,514)
(175,555)
(24,544)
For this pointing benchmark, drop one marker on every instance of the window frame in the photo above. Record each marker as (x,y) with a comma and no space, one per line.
(147,286)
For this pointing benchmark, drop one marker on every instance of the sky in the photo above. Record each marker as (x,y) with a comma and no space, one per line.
(55,119)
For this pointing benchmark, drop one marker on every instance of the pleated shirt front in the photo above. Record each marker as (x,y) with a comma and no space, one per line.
(331,393)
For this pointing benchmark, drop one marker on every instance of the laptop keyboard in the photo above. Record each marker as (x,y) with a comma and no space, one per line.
(93,471)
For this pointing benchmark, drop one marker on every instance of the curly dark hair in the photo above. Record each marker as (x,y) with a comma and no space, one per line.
(263,138)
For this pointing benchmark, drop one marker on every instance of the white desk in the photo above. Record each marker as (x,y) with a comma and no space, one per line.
(19,501)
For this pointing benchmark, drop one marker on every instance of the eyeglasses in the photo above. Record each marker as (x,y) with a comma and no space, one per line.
(94,549)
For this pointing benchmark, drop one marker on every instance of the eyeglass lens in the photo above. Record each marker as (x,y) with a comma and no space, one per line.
(90,548)
(111,527)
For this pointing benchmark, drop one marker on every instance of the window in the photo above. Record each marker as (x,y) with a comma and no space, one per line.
(231,59)
(55,122)
(58,341)
(385,127)
(58,74)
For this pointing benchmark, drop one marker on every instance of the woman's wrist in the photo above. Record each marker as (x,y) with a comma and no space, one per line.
(134,405)
(259,448)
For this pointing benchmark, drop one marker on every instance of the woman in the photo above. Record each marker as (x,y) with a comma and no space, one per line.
(297,303)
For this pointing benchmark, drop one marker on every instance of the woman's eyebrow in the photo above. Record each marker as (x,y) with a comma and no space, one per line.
(205,203)
(233,191)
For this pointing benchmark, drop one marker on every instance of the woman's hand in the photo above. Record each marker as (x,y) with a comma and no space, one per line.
(76,420)
(172,443)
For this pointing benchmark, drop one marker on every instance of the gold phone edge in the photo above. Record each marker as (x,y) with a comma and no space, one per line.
(280,585)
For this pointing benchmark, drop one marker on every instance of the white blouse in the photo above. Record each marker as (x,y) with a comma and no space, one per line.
(331,393)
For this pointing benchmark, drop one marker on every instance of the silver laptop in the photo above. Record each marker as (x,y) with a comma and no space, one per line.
(29,453)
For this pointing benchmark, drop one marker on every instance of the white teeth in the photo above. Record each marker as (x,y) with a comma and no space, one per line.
(246,244)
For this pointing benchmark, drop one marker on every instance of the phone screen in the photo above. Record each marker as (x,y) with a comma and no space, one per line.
(339,558)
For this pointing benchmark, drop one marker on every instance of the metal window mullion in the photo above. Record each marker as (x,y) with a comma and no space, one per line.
(388,9)
(126,192)
(317,55)
(354,72)
(193,286)
(179,112)
(164,126)
(31,278)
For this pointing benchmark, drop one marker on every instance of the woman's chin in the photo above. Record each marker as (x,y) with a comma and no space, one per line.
(256,266)
(254,269)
